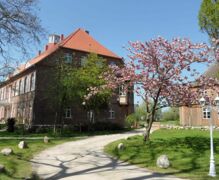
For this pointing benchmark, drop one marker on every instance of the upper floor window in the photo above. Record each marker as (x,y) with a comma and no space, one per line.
(83,60)
(27,84)
(67,113)
(32,81)
(19,87)
(68,58)
(16,88)
(206,113)
(112,63)
(22,86)
(122,91)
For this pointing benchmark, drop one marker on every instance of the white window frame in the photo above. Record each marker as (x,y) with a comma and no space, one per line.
(32,81)
(111,114)
(83,61)
(122,90)
(206,113)
(68,58)
(90,116)
(68,113)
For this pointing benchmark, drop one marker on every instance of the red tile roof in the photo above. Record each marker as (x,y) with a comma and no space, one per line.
(78,40)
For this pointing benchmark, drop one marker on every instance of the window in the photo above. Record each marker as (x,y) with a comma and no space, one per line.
(68,58)
(27,85)
(206,113)
(67,113)
(112,63)
(19,87)
(111,114)
(22,86)
(83,60)
(90,116)
(32,81)
(16,88)
(122,90)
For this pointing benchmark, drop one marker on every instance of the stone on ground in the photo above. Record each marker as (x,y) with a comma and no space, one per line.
(46,139)
(22,145)
(2,168)
(121,146)
(6,151)
(163,161)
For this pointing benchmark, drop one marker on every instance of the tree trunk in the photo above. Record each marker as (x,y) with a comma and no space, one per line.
(148,129)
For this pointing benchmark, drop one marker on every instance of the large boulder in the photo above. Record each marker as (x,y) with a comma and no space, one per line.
(46,139)
(6,151)
(120,146)
(22,145)
(163,161)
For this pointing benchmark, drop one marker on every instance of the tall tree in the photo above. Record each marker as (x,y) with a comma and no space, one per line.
(159,69)
(209,18)
(19,26)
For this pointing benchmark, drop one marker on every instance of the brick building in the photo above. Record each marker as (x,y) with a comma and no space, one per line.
(23,94)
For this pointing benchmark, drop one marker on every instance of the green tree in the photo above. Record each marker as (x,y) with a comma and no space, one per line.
(172,114)
(72,83)
(209,18)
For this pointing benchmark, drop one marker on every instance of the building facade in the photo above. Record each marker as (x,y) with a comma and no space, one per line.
(24,93)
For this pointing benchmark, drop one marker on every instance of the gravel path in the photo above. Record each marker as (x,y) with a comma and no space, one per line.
(85,160)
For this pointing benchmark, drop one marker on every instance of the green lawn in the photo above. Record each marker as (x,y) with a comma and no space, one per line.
(188,152)
(18,165)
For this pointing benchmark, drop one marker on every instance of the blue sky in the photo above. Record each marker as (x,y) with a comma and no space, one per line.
(115,22)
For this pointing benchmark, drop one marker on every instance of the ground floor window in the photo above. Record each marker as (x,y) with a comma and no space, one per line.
(90,116)
(67,113)
(111,114)
(206,113)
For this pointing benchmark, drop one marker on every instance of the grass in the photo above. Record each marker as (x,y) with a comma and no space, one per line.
(188,152)
(18,165)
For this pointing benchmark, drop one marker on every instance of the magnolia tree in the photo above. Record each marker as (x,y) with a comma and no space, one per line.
(161,72)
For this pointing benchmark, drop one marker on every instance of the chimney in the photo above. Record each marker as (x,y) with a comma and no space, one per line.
(46,47)
(53,39)
(62,37)
(39,52)
(87,32)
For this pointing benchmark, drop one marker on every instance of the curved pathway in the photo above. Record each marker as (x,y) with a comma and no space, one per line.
(85,160)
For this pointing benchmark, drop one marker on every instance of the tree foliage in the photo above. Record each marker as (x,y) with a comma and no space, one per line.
(209,18)
(79,81)
(160,70)
(19,27)
(172,114)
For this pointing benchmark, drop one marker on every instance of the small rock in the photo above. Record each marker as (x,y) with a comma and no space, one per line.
(6,151)
(22,145)
(163,161)
(121,146)
(46,139)
(2,168)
